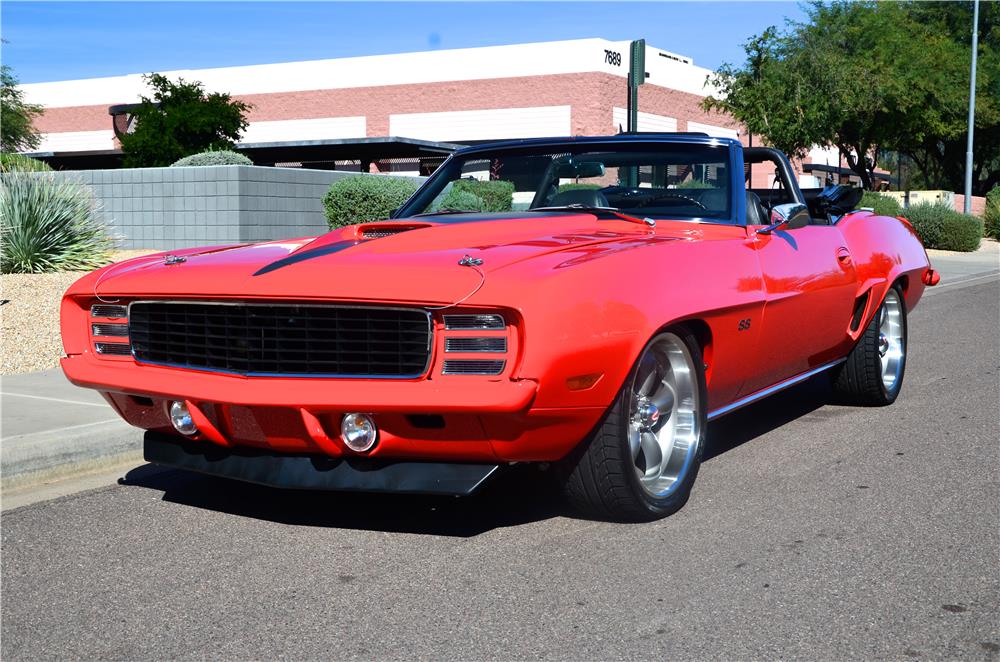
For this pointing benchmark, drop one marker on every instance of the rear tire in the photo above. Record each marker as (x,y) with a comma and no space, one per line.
(641,461)
(872,375)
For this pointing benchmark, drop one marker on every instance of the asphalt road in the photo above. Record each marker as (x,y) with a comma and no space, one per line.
(815,531)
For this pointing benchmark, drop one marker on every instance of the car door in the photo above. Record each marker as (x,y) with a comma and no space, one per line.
(810,284)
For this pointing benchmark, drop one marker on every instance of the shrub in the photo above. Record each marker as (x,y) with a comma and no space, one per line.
(48,224)
(496,194)
(13,162)
(578,186)
(694,184)
(212,158)
(991,217)
(940,226)
(365,198)
(882,204)
(464,200)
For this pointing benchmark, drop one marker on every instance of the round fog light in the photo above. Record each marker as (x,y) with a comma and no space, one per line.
(181,418)
(359,432)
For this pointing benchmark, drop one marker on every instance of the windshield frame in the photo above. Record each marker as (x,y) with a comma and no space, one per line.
(737,207)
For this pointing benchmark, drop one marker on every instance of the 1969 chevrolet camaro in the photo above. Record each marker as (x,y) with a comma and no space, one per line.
(589,303)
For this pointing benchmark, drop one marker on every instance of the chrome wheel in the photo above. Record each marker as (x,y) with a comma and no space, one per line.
(890,339)
(664,422)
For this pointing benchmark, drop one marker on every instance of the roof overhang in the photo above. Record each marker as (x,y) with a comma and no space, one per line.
(297,151)
(846,172)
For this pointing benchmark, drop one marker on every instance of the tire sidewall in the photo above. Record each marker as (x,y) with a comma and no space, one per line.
(662,506)
(891,395)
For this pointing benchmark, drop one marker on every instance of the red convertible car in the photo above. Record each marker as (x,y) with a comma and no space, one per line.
(588,303)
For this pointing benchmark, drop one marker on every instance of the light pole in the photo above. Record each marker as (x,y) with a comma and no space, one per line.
(972,108)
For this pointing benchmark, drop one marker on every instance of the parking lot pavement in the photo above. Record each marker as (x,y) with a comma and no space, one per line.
(814,532)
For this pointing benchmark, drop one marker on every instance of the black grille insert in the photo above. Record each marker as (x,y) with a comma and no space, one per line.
(282,339)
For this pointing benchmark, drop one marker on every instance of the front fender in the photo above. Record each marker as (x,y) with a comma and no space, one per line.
(586,320)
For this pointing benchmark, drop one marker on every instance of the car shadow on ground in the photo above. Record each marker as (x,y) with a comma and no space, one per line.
(520,495)
(758,419)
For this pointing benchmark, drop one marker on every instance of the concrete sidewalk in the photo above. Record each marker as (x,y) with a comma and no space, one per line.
(960,266)
(51,429)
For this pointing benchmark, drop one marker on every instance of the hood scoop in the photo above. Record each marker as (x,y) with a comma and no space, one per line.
(380,230)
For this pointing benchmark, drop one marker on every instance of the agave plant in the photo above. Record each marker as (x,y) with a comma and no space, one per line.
(49,224)
(14,162)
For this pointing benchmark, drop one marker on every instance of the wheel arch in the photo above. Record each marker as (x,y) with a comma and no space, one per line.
(702,333)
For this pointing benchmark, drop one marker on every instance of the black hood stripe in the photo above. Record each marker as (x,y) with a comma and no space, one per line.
(302,256)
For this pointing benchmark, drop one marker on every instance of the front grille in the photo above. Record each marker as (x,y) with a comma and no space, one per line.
(109,311)
(494,344)
(471,367)
(474,322)
(116,330)
(282,339)
(112,348)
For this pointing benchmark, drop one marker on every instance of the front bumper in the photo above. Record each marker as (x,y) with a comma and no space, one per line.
(447,394)
(445,419)
(316,472)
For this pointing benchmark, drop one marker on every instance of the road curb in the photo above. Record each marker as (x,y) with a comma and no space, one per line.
(53,454)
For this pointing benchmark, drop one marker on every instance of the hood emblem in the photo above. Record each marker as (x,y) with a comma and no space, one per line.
(174,259)
(469,261)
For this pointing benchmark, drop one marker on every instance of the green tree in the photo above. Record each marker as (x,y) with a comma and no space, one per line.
(940,155)
(179,120)
(867,77)
(16,116)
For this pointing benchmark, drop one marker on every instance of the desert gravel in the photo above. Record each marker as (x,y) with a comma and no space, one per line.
(30,318)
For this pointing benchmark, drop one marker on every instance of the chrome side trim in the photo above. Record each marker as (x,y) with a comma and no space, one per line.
(771,390)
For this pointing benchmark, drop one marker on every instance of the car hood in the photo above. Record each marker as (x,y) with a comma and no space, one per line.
(410,260)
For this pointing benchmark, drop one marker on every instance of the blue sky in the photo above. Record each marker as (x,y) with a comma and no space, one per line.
(65,40)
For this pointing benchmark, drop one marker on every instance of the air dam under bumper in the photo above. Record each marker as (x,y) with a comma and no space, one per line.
(315,472)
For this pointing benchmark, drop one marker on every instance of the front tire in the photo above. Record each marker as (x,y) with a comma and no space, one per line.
(641,460)
(872,375)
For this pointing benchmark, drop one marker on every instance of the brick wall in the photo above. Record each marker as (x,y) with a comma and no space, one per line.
(166,208)
(591,95)
(978,204)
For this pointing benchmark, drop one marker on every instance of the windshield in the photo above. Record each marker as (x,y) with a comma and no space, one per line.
(655,180)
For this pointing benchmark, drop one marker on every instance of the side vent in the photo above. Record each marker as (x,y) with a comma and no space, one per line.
(860,305)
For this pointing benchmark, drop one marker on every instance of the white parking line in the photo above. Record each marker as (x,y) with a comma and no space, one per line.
(45,436)
(42,397)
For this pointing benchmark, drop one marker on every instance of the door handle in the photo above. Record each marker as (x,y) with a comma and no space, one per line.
(844,257)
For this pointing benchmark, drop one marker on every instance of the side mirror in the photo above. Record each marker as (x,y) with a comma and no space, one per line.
(789,216)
